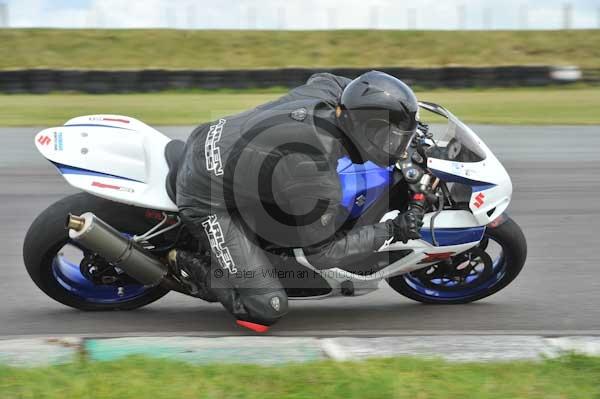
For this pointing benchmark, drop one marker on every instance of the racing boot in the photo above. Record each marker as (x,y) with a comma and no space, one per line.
(193,270)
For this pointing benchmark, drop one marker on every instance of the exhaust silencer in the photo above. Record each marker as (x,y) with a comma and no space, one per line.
(95,234)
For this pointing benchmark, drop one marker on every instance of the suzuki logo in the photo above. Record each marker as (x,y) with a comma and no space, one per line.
(479,200)
(360,200)
(44,140)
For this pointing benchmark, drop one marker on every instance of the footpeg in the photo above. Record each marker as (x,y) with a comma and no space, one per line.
(172,258)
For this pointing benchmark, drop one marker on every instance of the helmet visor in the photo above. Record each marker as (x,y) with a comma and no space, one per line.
(389,137)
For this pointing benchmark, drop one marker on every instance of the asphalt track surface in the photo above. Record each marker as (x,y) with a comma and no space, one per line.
(556,177)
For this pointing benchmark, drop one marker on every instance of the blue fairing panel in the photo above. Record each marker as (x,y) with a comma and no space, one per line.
(448,177)
(71,170)
(453,236)
(362,184)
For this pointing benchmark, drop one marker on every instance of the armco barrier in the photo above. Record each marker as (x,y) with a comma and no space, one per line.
(90,81)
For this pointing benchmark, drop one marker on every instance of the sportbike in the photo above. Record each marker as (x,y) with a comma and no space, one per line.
(108,247)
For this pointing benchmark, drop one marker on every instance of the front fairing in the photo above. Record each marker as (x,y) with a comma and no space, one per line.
(458,155)
(470,163)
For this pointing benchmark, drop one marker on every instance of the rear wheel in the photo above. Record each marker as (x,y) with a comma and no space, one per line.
(74,276)
(472,275)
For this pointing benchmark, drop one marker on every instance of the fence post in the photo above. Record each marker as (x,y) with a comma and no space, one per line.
(412,18)
(567,16)
(462,17)
(487,18)
(3,15)
(523,17)
(281,18)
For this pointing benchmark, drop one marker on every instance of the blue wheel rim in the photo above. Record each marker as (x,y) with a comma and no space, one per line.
(454,293)
(68,275)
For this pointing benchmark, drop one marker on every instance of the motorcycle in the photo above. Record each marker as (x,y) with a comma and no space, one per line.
(109,247)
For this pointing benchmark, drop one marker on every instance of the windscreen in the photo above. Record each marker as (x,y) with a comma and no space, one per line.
(452,140)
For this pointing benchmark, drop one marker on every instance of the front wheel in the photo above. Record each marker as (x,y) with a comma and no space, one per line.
(61,269)
(473,275)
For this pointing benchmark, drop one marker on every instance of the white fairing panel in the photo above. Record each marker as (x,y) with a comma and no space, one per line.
(494,193)
(491,184)
(111,156)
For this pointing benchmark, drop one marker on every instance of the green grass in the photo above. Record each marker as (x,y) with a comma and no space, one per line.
(566,377)
(578,105)
(226,49)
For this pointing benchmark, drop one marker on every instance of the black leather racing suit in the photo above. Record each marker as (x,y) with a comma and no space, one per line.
(268,176)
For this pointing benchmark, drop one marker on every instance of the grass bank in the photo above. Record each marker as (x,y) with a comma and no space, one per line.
(566,377)
(545,106)
(231,49)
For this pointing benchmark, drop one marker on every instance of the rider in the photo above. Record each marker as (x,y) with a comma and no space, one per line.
(268,176)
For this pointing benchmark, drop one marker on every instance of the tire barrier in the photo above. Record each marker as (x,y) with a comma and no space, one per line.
(99,82)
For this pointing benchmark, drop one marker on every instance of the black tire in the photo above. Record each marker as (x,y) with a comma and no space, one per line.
(510,236)
(47,235)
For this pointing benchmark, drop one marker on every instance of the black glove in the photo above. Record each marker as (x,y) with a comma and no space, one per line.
(424,127)
(406,226)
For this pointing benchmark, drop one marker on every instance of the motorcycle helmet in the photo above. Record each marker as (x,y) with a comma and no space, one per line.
(378,113)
